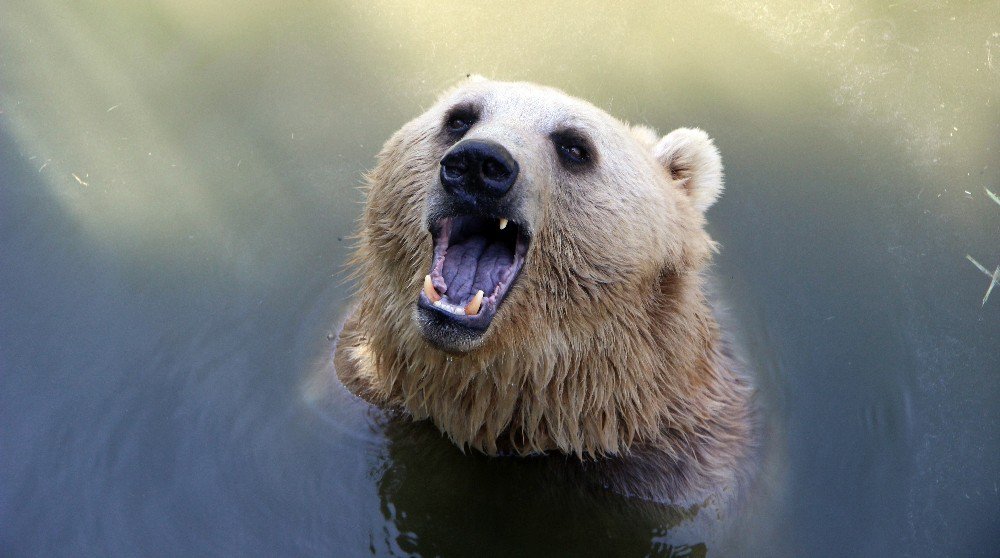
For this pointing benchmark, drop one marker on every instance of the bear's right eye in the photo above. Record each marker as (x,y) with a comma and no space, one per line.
(458,122)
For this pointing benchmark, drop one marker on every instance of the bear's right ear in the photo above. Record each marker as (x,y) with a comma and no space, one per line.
(690,157)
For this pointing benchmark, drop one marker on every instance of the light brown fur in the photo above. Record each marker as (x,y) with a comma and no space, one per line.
(606,347)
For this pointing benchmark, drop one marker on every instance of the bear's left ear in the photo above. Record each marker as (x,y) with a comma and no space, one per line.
(690,157)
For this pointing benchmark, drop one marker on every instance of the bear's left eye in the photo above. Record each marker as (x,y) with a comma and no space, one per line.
(574,151)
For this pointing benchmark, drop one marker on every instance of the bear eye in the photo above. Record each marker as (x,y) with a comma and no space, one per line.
(458,124)
(459,120)
(574,150)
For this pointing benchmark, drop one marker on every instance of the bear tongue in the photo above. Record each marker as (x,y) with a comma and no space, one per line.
(475,264)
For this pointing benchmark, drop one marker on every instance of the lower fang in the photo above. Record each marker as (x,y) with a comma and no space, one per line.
(473,308)
(429,289)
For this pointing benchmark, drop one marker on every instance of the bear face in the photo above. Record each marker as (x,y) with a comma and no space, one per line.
(544,213)
(529,279)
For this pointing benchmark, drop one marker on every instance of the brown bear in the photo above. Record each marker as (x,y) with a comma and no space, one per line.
(530,278)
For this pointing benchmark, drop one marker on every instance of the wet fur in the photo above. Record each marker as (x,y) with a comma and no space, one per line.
(606,348)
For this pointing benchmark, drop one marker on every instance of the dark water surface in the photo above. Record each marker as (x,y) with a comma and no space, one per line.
(178,182)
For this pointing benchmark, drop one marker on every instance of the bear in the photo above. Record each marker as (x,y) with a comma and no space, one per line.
(531,278)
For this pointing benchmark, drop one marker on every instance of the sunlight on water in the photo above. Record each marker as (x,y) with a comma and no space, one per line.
(926,70)
(129,100)
(178,190)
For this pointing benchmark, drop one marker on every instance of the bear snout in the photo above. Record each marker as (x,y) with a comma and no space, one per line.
(478,170)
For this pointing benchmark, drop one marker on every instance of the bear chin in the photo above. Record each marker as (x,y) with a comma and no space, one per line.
(444,333)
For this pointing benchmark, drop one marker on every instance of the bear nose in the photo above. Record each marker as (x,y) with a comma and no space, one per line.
(478,168)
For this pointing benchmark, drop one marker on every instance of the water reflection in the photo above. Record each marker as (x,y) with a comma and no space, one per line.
(445,503)
(157,323)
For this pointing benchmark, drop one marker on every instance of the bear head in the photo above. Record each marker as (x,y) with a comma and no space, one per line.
(529,268)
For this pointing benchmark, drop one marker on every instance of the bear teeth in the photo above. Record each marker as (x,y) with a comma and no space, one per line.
(429,289)
(503,224)
(473,308)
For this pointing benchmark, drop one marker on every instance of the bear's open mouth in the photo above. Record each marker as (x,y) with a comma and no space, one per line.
(476,260)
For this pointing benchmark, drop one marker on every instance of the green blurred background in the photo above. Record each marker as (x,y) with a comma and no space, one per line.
(178,182)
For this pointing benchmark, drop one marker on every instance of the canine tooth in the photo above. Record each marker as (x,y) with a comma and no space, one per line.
(429,289)
(503,224)
(473,308)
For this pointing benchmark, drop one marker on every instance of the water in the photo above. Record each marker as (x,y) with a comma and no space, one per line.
(178,188)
